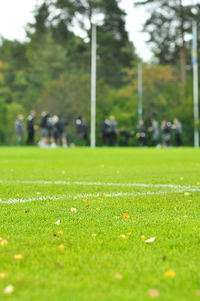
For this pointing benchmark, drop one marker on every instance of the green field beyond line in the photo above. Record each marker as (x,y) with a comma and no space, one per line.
(82,237)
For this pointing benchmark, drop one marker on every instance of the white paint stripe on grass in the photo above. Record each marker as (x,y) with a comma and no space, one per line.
(90,195)
(186,187)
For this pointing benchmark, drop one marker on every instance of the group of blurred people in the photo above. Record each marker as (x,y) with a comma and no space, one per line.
(160,135)
(53,131)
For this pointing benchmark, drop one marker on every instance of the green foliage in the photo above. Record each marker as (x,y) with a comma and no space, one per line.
(51,70)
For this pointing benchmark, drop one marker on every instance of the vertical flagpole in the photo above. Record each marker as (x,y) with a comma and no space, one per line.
(195,85)
(93,88)
(140,92)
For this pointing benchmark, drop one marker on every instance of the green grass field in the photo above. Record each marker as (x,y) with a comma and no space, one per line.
(98,251)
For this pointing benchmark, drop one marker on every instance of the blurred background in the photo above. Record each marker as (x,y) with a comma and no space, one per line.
(45,62)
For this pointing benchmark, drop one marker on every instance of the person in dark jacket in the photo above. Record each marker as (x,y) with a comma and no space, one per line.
(45,126)
(112,131)
(166,133)
(127,135)
(62,133)
(141,133)
(177,126)
(104,126)
(31,128)
(82,131)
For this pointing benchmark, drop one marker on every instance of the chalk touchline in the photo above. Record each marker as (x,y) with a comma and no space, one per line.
(80,196)
(197,188)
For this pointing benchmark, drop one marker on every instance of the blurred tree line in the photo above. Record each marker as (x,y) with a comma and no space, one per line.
(50,70)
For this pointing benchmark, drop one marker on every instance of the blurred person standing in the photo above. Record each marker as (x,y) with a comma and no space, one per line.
(112,131)
(85,131)
(19,129)
(62,133)
(127,135)
(155,130)
(141,133)
(166,133)
(55,131)
(81,131)
(177,126)
(104,125)
(45,128)
(31,128)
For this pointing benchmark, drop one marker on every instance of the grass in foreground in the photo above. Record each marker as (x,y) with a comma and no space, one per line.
(95,253)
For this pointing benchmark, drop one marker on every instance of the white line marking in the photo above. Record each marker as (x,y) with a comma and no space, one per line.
(101,184)
(97,195)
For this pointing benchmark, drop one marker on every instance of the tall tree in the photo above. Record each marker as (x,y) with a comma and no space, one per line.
(114,49)
(168,25)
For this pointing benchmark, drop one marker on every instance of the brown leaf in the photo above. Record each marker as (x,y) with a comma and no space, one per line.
(153,293)
(59,265)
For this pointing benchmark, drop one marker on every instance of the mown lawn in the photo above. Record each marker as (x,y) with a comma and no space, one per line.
(97,249)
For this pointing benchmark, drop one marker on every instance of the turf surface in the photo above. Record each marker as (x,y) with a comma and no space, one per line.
(95,253)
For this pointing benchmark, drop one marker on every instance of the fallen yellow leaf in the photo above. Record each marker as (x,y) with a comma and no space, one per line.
(19,256)
(170,274)
(62,247)
(3,275)
(73,209)
(122,236)
(3,242)
(186,193)
(126,215)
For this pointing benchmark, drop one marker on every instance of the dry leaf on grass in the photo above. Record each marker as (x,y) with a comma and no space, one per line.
(57,223)
(9,289)
(197,292)
(19,256)
(122,236)
(4,275)
(118,276)
(150,240)
(73,209)
(3,242)
(170,274)
(153,293)
(62,247)
(126,215)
